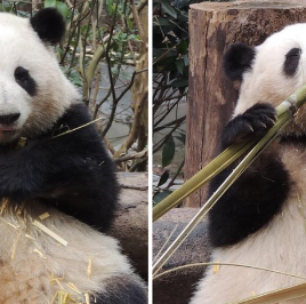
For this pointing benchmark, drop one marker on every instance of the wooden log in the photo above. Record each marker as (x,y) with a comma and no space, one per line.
(213,26)
(177,287)
(131,223)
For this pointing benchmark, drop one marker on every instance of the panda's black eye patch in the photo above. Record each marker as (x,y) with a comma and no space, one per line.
(292,61)
(24,79)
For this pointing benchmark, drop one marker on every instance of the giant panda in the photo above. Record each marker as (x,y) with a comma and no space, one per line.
(58,193)
(260,221)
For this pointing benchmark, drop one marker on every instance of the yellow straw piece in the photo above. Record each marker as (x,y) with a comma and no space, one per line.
(73,287)
(216,268)
(50,233)
(39,253)
(44,216)
(10,224)
(59,283)
(30,237)
(87,298)
(4,204)
(89,268)
(16,243)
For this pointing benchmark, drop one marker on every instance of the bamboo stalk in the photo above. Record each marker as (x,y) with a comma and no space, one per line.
(284,115)
(277,296)
(221,162)
(196,265)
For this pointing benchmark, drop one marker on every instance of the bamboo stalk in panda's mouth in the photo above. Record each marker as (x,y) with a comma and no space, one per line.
(285,113)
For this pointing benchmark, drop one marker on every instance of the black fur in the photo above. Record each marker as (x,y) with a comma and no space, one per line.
(294,140)
(237,59)
(123,291)
(24,79)
(258,194)
(49,25)
(255,122)
(292,61)
(72,172)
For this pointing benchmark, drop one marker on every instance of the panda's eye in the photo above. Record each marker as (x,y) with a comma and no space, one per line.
(21,74)
(292,61)
(24,79)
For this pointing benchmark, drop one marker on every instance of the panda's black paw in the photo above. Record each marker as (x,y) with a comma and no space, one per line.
(254,122)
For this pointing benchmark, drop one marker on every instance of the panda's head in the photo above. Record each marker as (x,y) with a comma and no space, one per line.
(34,93)
(271,71)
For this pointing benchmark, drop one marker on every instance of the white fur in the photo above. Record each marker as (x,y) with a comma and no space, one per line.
(281,245)
(21,46)
(25,278)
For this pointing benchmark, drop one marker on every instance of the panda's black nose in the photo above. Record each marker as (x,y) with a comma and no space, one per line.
(8,119)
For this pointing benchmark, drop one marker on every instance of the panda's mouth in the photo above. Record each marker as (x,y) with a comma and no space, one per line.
(7,129)
(6,132)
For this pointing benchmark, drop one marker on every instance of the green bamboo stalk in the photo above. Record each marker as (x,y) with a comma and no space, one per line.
(283,119)
(221,162)
(215,167)
(277,296)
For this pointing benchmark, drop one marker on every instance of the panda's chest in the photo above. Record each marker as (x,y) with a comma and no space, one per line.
(35,265)
(284,237)
(294,160)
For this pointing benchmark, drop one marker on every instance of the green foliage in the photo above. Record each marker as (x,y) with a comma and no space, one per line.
(61,6)
(170,41)
(168,152)
(163,179)
(158,197)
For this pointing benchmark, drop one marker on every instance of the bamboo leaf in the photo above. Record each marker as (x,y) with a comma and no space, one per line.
(158,197)
(180,65)
(168,152)
(50,3)
(63,8)
(169,9)
(180,83)
(163,179)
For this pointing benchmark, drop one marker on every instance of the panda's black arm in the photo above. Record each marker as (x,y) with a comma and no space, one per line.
(72,172)
(258,194)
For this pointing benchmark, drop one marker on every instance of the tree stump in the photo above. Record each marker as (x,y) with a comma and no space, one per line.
(131,223)
(213,26)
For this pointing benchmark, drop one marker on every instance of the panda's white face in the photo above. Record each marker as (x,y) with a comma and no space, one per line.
(33,91)
(277,70)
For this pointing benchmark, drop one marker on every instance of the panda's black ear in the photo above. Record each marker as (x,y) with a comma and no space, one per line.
(237,59)
(49,25)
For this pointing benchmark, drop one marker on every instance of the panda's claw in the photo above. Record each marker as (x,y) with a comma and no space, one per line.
(263,125)
(251,129)
(254,122)
(271,122)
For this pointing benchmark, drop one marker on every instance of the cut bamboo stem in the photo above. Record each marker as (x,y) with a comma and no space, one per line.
(284,112)
(221,162)
(277,296)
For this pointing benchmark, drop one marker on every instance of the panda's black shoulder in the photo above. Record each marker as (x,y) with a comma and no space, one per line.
(91,172)
(75,122)
(76,115)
